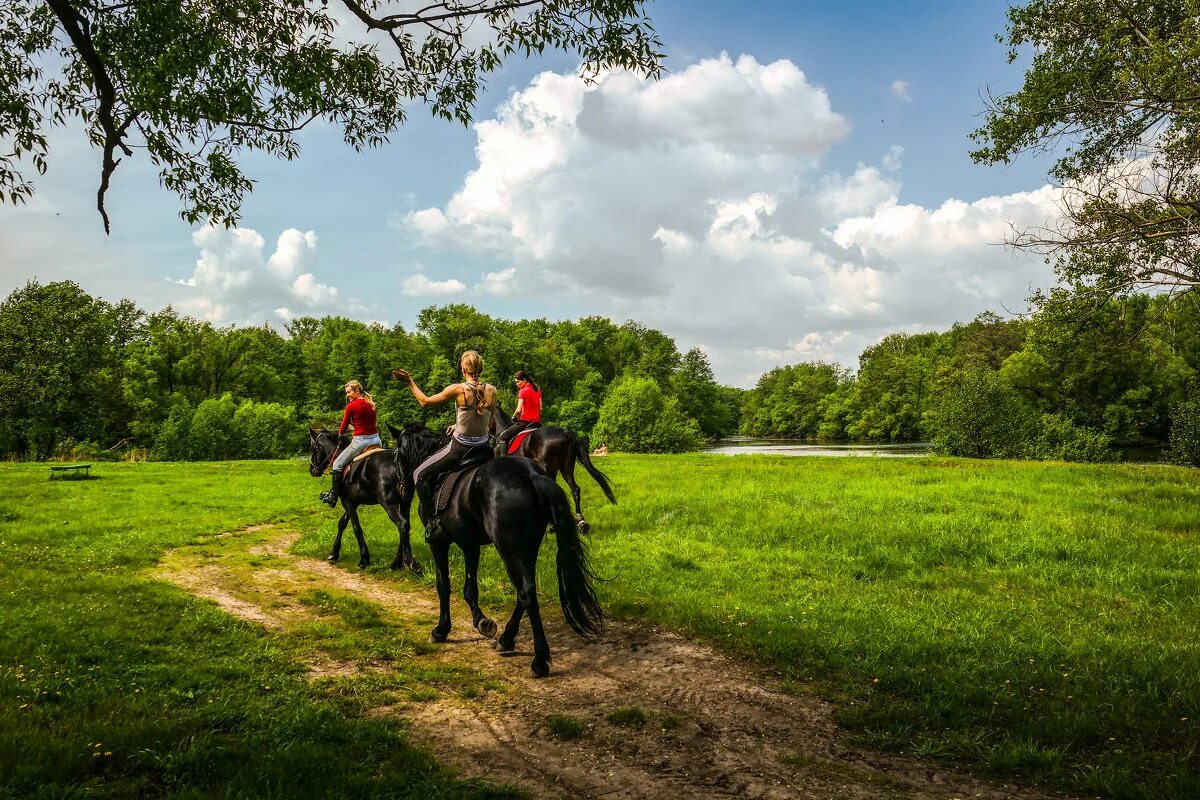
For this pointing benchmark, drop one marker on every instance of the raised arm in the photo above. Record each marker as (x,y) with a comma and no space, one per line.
(451,391)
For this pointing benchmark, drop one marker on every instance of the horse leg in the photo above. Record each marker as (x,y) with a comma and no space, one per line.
(553,473)
(336,553)
(508,640)
(569,475)
(522,572)
(364,555)
(471,591)
(440,548)
(398,514)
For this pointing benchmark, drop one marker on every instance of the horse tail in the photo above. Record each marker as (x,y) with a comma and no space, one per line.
(581,454)
(580,606)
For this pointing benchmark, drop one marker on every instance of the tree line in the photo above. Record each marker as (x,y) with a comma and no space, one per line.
(81,377)
(1073,381)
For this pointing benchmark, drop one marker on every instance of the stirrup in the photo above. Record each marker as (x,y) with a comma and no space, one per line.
(433,530)
(329,498)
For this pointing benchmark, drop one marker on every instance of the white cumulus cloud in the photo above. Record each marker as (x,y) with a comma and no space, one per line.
(900,89)
(236,281)
(698,204)
(419,285)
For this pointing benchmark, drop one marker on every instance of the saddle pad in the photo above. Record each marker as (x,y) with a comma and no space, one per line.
(449,484)
(515,445)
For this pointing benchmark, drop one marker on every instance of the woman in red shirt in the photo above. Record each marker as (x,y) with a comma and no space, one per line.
(360,415)
(528,411)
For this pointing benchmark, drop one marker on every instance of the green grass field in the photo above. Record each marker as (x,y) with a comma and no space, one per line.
(1027,619)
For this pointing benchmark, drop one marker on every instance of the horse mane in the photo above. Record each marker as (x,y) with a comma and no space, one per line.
(416,442)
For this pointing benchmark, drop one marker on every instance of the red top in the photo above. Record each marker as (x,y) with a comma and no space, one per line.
(531,403)
(359,414)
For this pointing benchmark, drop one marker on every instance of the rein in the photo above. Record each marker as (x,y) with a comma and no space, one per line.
(330,460)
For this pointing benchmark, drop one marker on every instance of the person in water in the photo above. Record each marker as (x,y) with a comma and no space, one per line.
(528,411)
(359,415)
(475,404)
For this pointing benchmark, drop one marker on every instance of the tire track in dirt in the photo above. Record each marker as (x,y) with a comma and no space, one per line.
(712,728)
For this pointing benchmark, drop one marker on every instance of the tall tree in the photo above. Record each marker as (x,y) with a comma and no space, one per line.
(199,83)
(1114,93)
(60,357)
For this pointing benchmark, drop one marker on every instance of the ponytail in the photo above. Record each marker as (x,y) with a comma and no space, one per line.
(472,367)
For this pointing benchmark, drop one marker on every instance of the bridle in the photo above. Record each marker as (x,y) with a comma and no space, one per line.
(329,461)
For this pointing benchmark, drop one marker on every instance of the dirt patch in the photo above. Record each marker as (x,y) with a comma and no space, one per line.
(642,713)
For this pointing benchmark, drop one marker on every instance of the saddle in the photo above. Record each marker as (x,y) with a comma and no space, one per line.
(453,481)
(354,466)
(515,445)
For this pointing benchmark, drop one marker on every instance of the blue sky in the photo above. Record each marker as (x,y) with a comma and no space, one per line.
(791,200)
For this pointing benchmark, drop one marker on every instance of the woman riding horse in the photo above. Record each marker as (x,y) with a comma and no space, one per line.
(475,404)
(506,503)
(528,411)
(360,415)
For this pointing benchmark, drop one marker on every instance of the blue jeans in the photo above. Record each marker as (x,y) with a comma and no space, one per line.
(356,446)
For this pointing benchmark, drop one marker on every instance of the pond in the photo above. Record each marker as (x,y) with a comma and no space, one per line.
(739,446)
(745,445)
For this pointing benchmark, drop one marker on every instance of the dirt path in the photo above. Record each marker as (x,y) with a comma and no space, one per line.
(695,724)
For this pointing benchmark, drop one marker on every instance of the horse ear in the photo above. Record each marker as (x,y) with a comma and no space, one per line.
(312,432)
(392,429)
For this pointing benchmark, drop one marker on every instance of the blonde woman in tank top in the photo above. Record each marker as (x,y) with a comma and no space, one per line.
(475,404)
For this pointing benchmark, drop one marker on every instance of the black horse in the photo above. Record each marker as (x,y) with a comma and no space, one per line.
(507,502)
(556,450)
(376,482)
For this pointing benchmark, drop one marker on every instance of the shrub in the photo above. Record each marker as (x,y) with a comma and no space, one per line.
(1184,444)
(174,440)
(267,430)
(576,415)
(1060,438)
(213,437)
(71,450)
(982,416)
(638,417)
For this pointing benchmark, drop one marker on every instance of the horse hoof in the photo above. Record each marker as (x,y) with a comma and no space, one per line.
(415,567)
(539,670)
(332,559)
(584,527)
(503,646)
(364,564)
(486,628)
(437,637)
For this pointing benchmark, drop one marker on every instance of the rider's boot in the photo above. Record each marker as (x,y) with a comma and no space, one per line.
(426,488)
(330,498)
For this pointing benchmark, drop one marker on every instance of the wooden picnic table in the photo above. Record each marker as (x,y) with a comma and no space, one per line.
(70,471)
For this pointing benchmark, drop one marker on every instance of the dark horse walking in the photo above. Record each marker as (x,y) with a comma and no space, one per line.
(556,450)
(376,482)
(507,502)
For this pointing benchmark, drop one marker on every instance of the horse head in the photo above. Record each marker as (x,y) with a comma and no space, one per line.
(414,443)
(321,445)
(503,420)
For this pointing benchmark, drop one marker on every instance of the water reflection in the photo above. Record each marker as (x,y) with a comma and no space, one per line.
(790,447)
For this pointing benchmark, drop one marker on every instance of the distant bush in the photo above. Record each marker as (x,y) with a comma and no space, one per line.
(637,417)
(576,415)
(71,450)
(220,429)
(981,415)
(213,437)
(267,430)
(1184,445)
(174,440)
(1062,440)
